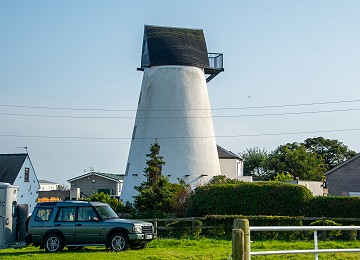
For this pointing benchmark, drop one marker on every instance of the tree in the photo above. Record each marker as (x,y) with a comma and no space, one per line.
(157,196)
(114,203)
(295,159)
(255,162)
(154,164)
(283,177)
(332,151)
(307,161)
(221,179)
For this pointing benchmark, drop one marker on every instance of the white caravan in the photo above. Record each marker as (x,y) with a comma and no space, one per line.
(12,218)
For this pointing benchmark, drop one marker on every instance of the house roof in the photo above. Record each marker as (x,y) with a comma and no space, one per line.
(225,154)
(174,46)
(10,166)
(46,182)
(342,164)
(110,176)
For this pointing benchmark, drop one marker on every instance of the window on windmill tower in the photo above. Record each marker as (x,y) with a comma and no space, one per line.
(27,175)
(134,133)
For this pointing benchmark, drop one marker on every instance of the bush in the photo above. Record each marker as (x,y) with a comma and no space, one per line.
(329,234)
(185,229)
(336,207)
(114,203)
(260,198)
(223,226)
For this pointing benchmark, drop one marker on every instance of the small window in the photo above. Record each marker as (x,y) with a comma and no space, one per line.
(106,191)
(86,213)
(66,214)
(27,175)
(134,133)
(13,210)
(127,169)
(43,214)
(140,97)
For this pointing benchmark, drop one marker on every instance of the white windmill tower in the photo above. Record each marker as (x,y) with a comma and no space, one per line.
(174,108)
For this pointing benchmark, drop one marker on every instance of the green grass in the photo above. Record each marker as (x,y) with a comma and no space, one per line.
(185,249)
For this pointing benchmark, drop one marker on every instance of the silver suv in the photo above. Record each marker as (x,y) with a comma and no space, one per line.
(75,224)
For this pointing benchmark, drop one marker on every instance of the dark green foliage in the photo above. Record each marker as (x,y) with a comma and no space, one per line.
(332,151)
(185,229)
(255,163)
(157,196)
(157,199)
(296,160)
(260,198)
(114,203)
(308,160)
(154,165)
(224,225)
(333,206)
(328,234)
(221,179)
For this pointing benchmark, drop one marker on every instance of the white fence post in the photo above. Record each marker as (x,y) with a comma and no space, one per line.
(316,244)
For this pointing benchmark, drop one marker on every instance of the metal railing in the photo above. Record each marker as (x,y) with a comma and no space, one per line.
(242,230)
(215,60)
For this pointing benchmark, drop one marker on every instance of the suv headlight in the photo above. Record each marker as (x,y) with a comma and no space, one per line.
(137,229)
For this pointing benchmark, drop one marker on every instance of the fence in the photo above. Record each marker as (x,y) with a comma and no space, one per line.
(241,239)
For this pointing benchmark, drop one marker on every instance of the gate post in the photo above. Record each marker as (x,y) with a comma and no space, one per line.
(243,225)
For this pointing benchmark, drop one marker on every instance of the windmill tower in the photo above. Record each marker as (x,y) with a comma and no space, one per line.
(174,108)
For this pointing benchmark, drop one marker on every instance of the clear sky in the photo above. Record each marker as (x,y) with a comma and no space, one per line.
(82,56)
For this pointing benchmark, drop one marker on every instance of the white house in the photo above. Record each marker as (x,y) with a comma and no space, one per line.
(92,182)
(48,185)
(18,170)
(232,165)
(316,187)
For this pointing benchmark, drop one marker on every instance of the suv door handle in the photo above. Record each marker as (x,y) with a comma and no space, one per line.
(78,225)
(57,225)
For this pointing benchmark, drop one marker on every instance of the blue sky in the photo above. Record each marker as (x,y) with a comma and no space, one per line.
(84,54)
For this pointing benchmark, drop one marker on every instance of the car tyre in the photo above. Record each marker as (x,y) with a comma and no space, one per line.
(119,242)
(138,246)
(53,243)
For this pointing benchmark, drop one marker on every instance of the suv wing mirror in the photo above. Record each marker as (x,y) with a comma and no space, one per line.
(95,219)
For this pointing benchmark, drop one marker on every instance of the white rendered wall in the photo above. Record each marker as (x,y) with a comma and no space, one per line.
(28,190)
(231,168)
(173,108)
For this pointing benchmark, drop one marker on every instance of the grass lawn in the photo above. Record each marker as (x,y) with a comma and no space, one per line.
(185,249)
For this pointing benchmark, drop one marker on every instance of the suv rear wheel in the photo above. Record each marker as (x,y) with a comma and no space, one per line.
(53,243)
(119,242)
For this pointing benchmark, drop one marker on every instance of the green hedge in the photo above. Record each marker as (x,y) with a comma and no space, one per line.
(224,225)
(271,199)
(259,198)
(336,207)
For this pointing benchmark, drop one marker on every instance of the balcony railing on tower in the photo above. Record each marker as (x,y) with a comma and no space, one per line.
(216,65)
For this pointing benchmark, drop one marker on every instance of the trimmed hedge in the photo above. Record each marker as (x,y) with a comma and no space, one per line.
(259,198)
(336,207)
(269,198)
(225,224)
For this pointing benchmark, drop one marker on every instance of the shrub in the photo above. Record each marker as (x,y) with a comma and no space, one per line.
(325,235)
(260,198)
(185,229)
(114,203)
(333,206)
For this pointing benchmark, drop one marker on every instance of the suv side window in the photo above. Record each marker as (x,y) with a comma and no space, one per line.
(86,213)
(43,214)
(66,214)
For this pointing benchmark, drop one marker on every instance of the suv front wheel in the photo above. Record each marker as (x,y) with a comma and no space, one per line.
(119,242)
(53,243)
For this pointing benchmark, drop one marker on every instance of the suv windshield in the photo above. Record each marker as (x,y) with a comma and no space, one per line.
(106,212)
